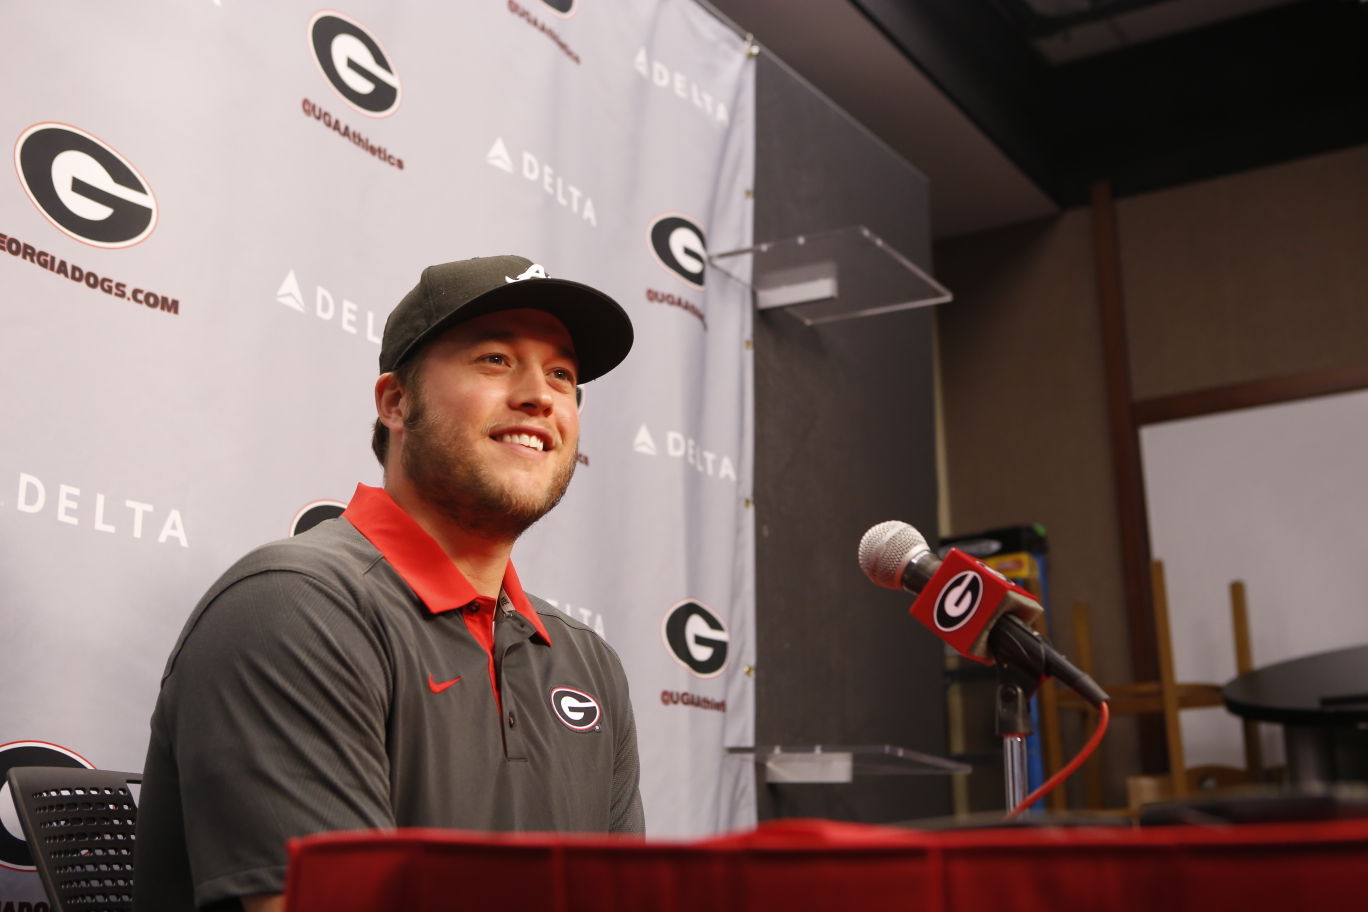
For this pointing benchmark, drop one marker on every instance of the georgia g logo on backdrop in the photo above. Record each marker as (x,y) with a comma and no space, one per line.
(678,245)
(354,63)
(84,187)
(311,514)
(696,638)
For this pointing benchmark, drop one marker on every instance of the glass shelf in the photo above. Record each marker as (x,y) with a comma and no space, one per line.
(842,763)
(832,275)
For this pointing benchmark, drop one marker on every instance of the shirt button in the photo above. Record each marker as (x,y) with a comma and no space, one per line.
(512,720)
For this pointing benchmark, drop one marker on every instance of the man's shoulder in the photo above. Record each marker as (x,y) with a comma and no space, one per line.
(561,626)
(326,564)
(329,550)
(553,617)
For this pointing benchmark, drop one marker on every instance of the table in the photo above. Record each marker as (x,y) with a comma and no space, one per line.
(1321,701)
(801,865)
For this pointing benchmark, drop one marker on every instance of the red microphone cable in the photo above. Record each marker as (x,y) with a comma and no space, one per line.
(1103,716)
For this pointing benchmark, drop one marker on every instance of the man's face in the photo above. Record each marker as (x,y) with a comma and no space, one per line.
(492,430)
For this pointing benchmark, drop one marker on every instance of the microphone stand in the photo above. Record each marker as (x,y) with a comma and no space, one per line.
(1015,687)
(1023,660)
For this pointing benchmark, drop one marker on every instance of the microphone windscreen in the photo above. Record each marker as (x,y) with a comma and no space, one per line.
(887,549)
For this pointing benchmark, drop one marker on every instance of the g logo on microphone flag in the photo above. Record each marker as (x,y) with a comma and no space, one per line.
(576,709)
(354,64)
(959,600)
(83,187)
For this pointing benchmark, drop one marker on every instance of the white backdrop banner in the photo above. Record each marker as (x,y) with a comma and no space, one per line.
(213,207)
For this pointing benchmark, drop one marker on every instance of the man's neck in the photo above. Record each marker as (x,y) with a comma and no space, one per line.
(481,560)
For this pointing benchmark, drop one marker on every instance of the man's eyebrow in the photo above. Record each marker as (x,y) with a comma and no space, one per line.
(504,335)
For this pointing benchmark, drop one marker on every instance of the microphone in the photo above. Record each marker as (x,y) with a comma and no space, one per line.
(969,605)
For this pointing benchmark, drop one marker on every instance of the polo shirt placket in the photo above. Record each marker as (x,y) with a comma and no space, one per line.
(511,637)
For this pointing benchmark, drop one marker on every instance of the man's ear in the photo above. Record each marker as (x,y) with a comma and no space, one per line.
(390,401)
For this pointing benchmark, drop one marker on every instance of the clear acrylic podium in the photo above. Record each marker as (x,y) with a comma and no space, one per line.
(831,275)
(823,763)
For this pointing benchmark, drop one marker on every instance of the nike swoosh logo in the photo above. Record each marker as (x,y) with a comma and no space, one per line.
(438,688)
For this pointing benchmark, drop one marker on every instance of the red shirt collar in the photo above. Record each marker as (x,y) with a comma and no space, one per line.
(420,561)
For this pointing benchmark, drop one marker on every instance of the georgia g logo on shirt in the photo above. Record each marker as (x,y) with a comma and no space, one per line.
(576,709)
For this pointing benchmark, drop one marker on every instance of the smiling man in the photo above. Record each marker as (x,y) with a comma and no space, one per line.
(386,668)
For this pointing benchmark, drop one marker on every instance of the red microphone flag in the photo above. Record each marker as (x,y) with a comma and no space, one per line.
(964,598)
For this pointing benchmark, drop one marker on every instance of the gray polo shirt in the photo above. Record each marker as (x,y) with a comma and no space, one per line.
(331,682)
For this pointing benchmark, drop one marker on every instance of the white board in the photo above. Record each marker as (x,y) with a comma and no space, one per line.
(1276,496)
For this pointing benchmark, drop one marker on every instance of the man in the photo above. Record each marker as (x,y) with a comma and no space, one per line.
(386,668)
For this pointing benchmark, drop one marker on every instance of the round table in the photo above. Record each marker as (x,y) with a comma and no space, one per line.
(1322,703)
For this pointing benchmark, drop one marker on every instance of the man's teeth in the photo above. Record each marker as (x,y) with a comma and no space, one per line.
(527,440)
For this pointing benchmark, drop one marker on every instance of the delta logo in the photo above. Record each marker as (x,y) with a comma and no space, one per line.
(338,310)
(680,446)
(678,84)
(115,515)
(540,173)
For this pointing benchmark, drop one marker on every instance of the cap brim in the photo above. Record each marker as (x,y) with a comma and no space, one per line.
(599,328)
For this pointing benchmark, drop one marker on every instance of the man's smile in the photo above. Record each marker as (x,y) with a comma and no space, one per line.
(529,439)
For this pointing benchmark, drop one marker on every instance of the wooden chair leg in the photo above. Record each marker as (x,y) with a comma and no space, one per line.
(1168,691)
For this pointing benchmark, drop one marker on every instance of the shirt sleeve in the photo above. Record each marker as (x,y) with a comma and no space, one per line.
(278,728)
(627,815)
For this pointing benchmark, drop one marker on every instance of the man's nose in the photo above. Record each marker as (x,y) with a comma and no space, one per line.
(532,394)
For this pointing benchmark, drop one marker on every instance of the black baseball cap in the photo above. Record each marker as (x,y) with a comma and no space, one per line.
(448,293)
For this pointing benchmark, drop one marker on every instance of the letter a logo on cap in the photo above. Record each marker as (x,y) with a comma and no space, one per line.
(533,272)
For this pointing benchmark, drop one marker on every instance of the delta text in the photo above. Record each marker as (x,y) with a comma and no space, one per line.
(681,86)
(325,308)
(100,516)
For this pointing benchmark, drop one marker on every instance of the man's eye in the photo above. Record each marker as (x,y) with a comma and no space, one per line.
(564,375)
(495,359)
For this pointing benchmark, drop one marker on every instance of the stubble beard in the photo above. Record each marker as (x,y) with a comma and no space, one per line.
(446,473)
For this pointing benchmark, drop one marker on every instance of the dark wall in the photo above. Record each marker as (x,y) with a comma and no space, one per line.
(845,438)
(1250,277)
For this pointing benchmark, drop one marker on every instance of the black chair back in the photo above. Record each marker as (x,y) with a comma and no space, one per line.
(79,825)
